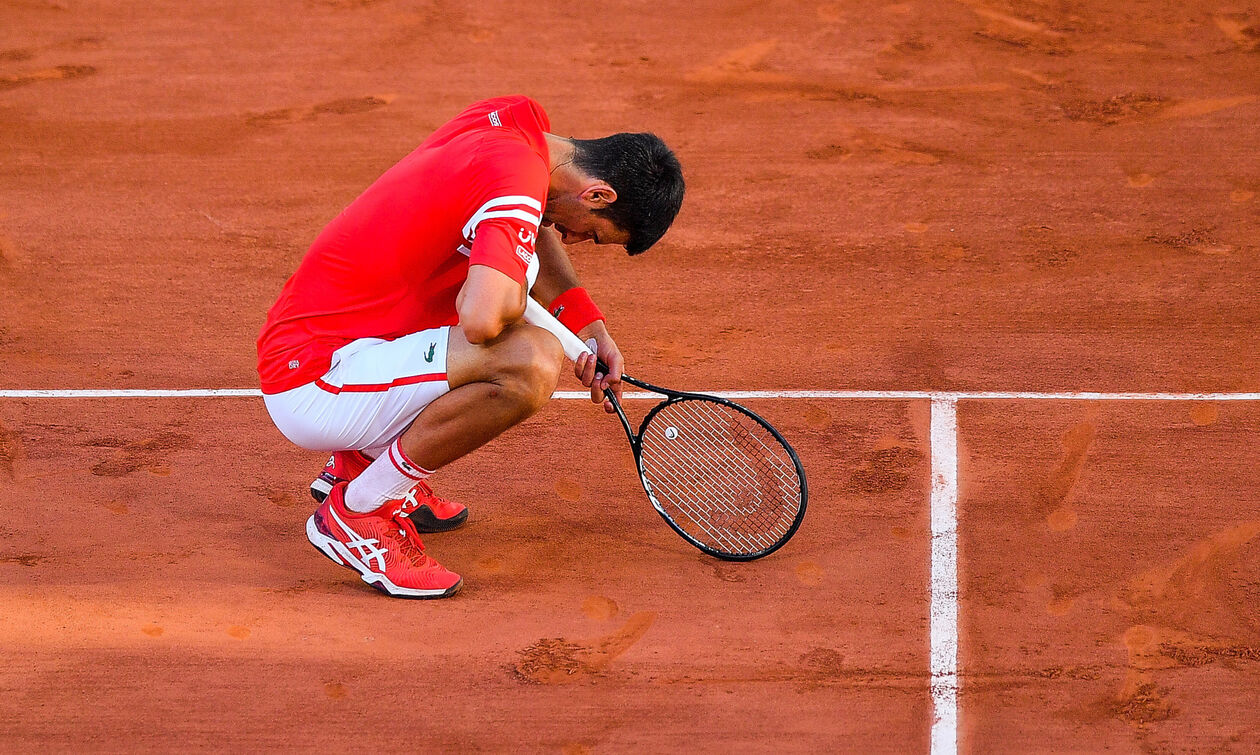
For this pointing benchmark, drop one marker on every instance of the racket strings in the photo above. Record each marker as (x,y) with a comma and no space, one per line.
(721,475)
(734,515)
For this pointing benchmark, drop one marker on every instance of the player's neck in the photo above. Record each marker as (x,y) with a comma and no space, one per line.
(559,152)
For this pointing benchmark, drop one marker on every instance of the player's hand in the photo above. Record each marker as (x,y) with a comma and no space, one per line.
(596,337)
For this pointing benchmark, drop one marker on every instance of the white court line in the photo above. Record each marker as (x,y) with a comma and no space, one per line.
(736,395)
(943,614)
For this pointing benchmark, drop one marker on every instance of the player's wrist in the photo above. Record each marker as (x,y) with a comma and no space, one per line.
(575,309)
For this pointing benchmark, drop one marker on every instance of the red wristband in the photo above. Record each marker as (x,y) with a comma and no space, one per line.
(575,309)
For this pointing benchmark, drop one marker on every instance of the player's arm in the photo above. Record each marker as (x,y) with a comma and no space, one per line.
(558,289)
(501,263)
(489,301)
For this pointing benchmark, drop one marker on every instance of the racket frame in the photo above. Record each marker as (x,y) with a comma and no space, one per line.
(636,447)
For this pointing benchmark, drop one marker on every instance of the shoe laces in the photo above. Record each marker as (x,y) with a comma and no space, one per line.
(409,542)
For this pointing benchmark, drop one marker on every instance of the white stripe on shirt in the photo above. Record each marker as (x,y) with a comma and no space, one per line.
(492,209)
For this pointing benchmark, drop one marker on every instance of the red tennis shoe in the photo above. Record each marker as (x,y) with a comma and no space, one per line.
(342,466)
(382,546)
(431,513)
(428,512)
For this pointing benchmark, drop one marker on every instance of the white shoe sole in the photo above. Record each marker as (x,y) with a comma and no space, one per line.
(339,554)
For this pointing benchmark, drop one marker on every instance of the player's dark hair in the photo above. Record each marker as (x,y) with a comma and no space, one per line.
(647,178)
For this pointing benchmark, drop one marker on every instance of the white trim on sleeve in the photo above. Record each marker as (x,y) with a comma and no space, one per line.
(496,208)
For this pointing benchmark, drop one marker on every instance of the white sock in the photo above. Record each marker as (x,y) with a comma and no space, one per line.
(386,479)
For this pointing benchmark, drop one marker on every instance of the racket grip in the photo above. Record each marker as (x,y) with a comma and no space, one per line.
(537,315)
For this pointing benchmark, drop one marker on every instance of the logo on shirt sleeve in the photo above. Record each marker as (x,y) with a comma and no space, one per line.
(494,118)
(525,249)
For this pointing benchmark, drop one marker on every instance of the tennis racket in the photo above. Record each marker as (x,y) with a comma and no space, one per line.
(719,475)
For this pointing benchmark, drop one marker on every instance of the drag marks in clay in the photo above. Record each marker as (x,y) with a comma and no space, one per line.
(561,661)
(8,254)
(1052,495)
(24,54)
(1194,611)
(870,145)
(1196,240)
(344,106)
(128,457)
(23,559)
(816,668)
(885,470)
(744,64)
(278,496)
(1025,32)
(16,55)
(1112,110)
(1194,592)
(11,450)
(746,69)
(1016,23)
(59,73)
(1133,107)
(1240,30)
(725,571)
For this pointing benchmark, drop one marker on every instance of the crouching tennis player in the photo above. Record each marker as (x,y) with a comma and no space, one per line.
(398,344)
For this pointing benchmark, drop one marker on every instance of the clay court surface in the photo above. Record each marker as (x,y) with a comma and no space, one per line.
(959,197)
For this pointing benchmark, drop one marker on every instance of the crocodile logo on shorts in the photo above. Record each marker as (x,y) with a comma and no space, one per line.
(429,356)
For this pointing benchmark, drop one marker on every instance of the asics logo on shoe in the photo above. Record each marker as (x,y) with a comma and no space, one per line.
(367,550)
(412,502)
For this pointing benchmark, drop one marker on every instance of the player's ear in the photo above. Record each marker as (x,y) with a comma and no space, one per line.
(599,195)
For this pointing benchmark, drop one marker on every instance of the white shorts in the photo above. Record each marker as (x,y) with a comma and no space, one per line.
(369,396)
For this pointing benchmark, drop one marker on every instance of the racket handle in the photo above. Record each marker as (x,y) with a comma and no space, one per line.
(537,315)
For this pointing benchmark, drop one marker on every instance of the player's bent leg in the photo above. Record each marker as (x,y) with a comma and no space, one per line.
(524,361)
(493,386)
(487,388)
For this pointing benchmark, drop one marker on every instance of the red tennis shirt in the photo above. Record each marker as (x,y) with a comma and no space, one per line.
(393,262)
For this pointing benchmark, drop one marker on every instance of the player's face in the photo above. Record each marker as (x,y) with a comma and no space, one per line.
(574,219)
(597,229)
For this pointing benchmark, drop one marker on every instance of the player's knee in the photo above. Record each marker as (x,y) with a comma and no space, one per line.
(535,366)
(542,368)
